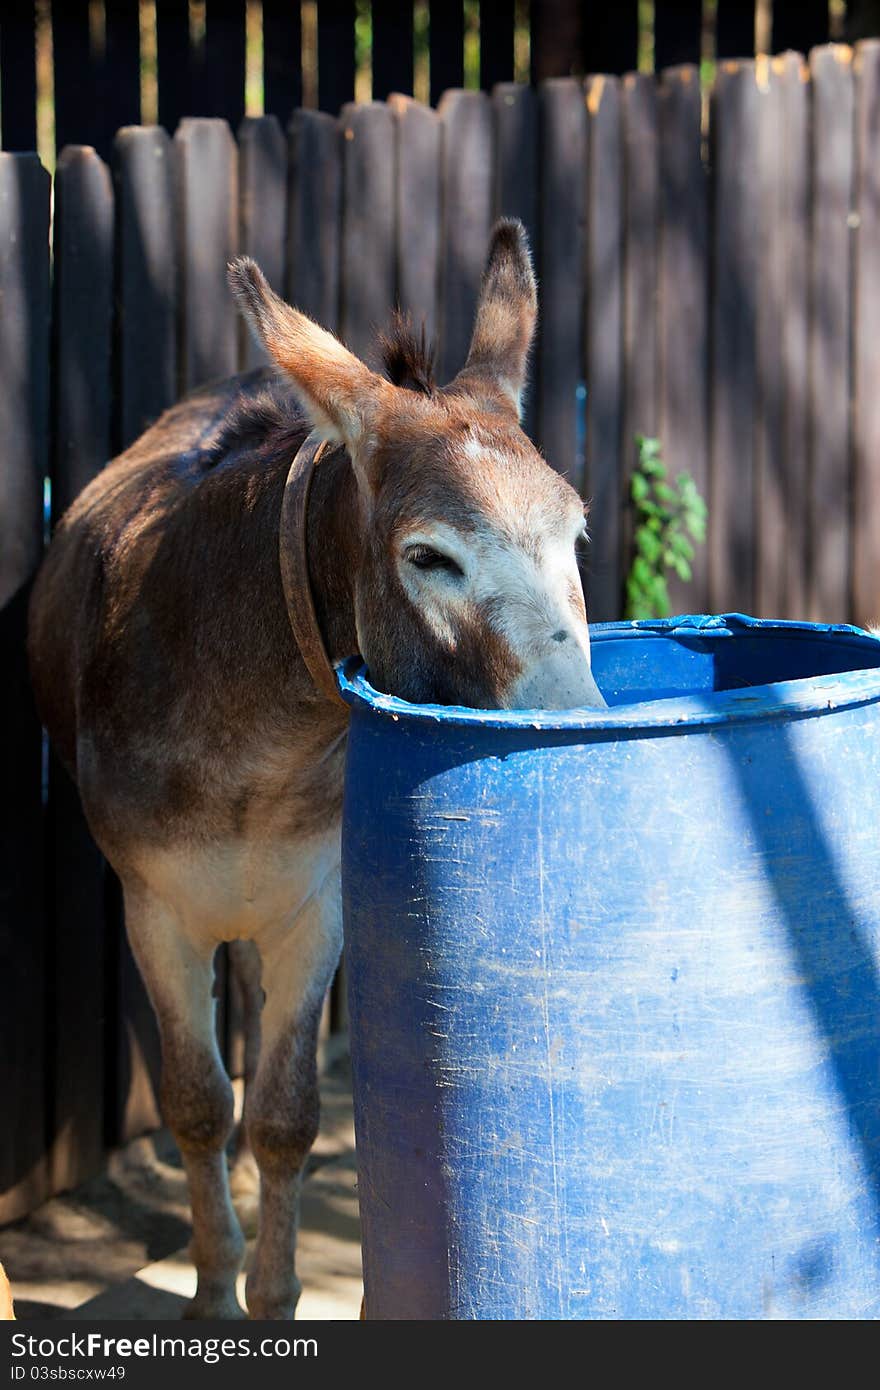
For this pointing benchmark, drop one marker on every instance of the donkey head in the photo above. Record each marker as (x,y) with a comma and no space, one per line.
(467,588)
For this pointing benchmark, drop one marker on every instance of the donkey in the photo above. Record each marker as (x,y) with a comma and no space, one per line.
(439,544)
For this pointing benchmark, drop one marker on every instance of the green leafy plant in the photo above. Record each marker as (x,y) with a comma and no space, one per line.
(670,520)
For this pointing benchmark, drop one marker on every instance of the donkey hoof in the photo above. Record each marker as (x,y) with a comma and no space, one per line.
(272,1312)
(275,1305)
(214,1305)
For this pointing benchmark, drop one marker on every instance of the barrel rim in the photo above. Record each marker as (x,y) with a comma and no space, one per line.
(794,699)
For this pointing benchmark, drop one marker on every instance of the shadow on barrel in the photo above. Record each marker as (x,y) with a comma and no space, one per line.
(832,944)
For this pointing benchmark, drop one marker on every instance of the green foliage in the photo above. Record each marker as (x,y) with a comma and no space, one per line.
(670,519)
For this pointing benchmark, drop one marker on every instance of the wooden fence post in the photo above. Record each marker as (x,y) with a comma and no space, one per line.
(24,389)
(206,164)
(603,341)
(562,185)
(417,199)
(146,382)
(641,213)
(793,75)
(515,111)
(82,330)
(735,257)
(467,162)
(866,312)
(314,216)
(683,334)
(367,271)
(830,494)
(262,173)
(770,499)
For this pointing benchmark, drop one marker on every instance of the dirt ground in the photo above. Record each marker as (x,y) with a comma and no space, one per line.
(116,1247)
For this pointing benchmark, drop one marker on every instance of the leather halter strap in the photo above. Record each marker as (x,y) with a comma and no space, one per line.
(294,557)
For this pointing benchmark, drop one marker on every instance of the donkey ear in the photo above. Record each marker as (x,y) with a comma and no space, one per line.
(338,391)
(505,320)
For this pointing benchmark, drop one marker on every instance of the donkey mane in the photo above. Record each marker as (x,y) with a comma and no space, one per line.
(408,357)
(265,423)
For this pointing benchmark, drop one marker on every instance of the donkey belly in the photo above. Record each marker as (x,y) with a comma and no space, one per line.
(239,889)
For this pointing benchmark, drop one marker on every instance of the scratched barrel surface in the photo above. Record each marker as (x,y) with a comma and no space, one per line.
(614,984)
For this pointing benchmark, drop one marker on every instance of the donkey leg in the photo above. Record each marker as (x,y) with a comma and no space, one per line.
(298,965)
(244,959)
(196,1096)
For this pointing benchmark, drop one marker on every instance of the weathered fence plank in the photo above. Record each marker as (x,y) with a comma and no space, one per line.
(82,315)
(24,358)
(417,234)
(368,225)
(771,500)
(794,203)
(262,171)
(467,219)
(683,337)
(18,75)
(24,232)
(603,339)
(731,538)
(206,163)
(282,58)
(563,165)
(146,343)
(830,495)
(641,213)
(146,375)
(866,342)
(393,50)
(515,111)
(314,216)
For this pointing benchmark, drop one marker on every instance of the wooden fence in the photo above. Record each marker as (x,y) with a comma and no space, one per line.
(717,287)
(197,54)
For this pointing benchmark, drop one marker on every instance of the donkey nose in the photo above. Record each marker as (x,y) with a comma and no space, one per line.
(560,679)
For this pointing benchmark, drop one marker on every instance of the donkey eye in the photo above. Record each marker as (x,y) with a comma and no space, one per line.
(424,557)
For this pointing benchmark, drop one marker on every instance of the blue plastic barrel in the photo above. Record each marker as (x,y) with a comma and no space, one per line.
(614,986)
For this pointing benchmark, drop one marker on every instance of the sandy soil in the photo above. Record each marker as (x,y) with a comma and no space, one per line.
(116,1247)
